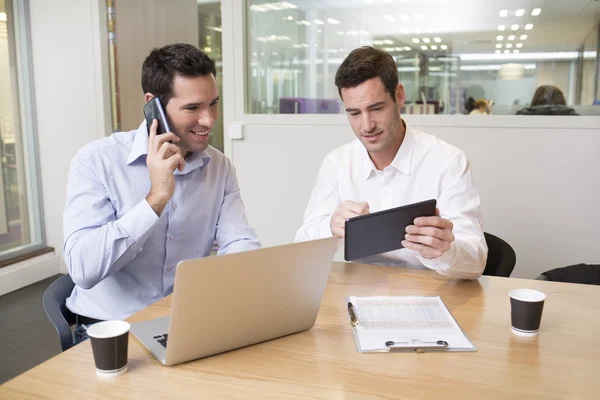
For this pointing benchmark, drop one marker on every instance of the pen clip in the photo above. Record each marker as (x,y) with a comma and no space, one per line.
(417,346)
(353,318)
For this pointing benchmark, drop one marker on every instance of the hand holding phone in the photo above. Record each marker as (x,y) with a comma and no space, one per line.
(163,158)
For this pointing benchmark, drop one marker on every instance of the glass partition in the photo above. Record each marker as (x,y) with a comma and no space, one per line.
(450,54)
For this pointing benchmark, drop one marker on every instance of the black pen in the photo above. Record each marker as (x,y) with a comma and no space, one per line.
(353,318)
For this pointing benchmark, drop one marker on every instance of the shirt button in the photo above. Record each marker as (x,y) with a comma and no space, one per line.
(169,268)
(174,206)
(171,237)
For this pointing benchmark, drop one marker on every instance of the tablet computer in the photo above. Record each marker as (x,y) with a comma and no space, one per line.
(382,231)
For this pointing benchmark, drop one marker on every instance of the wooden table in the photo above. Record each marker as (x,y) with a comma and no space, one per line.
(563,362)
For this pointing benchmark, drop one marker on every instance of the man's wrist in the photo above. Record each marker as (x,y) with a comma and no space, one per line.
(157,201)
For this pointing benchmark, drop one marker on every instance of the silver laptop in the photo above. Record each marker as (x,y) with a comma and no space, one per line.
(226,302)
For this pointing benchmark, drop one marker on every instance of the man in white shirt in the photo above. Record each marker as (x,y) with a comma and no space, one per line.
(391,165)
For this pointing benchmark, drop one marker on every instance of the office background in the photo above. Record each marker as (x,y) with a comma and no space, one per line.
(537,175)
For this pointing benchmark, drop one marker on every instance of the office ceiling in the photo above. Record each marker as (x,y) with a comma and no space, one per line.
(468,26)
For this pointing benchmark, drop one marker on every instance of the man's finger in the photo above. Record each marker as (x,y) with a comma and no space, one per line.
(167,149)
(359,208)
(423,250)
(175,161)
(434,221)
(151,136)
(429,241)
(443,234)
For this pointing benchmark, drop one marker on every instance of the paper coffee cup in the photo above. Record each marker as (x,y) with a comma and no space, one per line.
(526,306)
(110,340)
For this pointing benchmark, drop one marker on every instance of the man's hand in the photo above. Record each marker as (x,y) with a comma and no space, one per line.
(348,209)
(430,236)
(162,160)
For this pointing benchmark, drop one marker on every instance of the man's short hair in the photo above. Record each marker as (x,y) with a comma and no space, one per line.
(163,64)
(367,63)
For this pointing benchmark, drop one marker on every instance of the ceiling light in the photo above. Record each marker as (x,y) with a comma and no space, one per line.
(511,37)
(429,30)
(407,48)
(536,11)
(389,18)
(523,37)
(426,40)
(516,51)
(501,27)
(503,13)
(519,45)
(415,40)
(498,45)
(497,52)
(514,27)
(404,31)
(319,22)
(417,30)
(388,41)
(333,21)
(499,37)
(506,51)
(437,40)
(423,47)
(434,47)
(508,45)
(418,17)
(444,47)
(519,12)
(404,17)
(3,17)
(289,18)
(529,27)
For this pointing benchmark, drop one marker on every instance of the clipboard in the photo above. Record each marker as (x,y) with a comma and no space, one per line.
(404,324)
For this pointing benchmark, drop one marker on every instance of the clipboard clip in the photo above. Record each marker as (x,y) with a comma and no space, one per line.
(416,345)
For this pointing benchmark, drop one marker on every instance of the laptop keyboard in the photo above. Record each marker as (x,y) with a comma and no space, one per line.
(162,339)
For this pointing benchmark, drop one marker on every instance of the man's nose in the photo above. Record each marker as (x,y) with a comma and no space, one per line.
(368,123)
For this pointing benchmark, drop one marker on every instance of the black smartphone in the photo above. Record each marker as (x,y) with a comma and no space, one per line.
(154,110)
(382,231)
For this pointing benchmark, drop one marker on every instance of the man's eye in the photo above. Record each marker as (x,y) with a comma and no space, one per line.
(191,108)
(354,114)
(214,104)
(377,109)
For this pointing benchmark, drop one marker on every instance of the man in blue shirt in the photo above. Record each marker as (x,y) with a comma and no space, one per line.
(138,202)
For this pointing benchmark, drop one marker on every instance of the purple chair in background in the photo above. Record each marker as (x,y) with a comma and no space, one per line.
(303,105)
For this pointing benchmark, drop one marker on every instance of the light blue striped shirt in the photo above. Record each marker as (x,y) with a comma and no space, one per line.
(120,254)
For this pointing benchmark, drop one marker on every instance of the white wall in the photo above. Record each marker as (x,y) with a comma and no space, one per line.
(68,80)
(538,179)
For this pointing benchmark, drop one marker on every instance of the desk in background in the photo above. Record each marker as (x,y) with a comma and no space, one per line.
(563,362)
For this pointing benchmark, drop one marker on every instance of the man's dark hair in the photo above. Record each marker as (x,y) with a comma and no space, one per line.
(163,64)
(366,63)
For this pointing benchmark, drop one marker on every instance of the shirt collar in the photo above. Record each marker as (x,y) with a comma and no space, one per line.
(401,161)
(139,148)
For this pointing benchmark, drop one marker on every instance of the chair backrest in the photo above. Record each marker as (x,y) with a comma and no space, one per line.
(501,257)
(54,300)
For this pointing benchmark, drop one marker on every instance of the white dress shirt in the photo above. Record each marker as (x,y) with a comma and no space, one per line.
(424,168)
(120,254)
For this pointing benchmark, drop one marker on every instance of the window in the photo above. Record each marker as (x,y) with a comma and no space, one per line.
(20,222)
(449,53)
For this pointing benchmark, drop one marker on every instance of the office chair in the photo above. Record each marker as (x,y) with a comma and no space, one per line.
(54,300)
(501,257)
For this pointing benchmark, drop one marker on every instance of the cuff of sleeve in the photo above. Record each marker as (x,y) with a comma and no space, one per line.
(138,221)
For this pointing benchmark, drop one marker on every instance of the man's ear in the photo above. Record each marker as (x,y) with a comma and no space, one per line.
(148,96)
(400,95)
